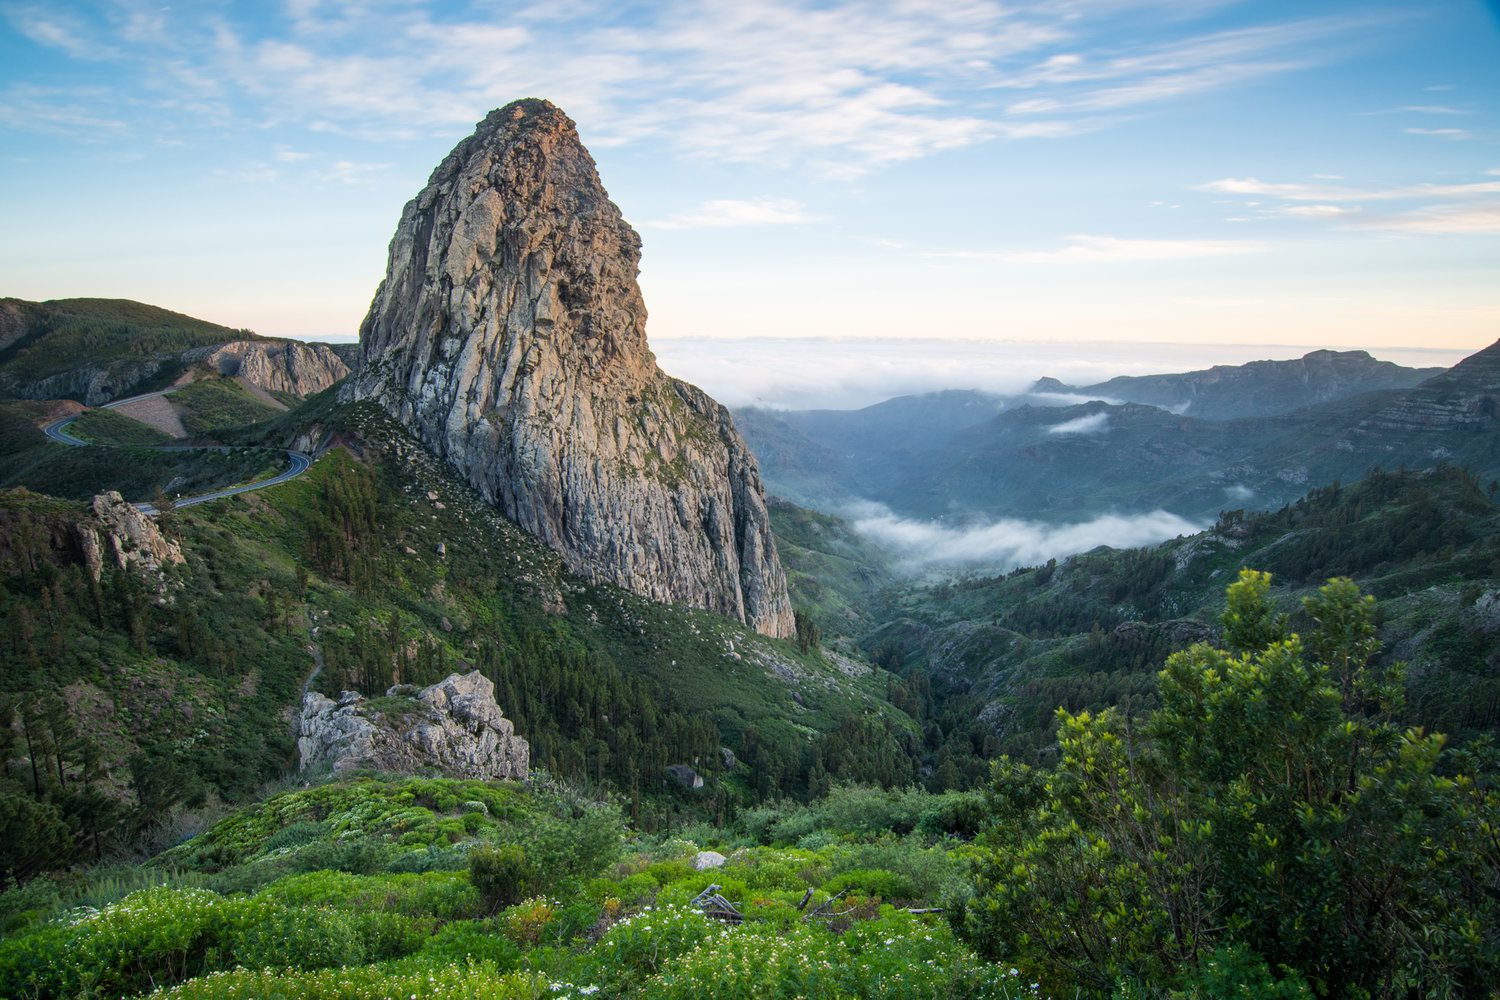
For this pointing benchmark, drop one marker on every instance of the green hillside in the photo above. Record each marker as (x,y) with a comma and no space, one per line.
(134,469)
(43,339)
(1089,631)
(405,588)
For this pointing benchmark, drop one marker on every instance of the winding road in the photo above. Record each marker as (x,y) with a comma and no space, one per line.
(58,431)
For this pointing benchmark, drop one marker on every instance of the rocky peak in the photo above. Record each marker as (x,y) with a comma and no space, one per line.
(509,335)
(454,727)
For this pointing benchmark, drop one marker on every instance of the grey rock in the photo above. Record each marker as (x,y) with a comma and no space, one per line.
(704,860)
(685,776)
(286,366)
(509,335)
(126,537)
(453,727)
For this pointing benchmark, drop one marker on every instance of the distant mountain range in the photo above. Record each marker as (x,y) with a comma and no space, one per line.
(1257,389)
(1252,436)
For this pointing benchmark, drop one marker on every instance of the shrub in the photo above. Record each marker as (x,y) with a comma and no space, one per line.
(480,981)
(526,922)
(466,941)
(154,936)
(644,943)
(264,934)
(500,874)
(872,882)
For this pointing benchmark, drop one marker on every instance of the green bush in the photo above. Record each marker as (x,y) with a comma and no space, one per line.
(645,943)
(480,981)
(150,937)
(465,941)
(501,875)
(872,882)
(263,934)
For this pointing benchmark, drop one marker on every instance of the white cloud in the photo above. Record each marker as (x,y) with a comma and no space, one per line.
(1090,249)
(1070,399)
(72,114)
(839,87)
(1239,491)
(1456,220)
(349,172)
(1011,542)
(1093,423)
(1317,211)
(1457,134)
(728,212)
(1313,192)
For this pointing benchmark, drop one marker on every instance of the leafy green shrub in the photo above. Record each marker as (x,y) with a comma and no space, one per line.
(749,964)
(528,920)
(1236,972)
(388,935)
(294,835)
(471,940)
(645,943)
(443,895)
(501,875)
(479,981)
(22,904)
(154,936)
(872,882)
(263,934)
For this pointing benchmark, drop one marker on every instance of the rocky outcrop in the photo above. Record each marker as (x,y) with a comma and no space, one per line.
(454,727)
(1466,397)
(509,335)
(286,366)
(127,538)
(94,385)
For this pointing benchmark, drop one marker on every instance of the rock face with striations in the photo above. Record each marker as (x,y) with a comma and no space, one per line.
(509,335)
(1466,397)
(453,727)
(287,366)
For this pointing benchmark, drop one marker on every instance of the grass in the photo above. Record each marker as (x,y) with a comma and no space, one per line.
(211,405)
(108,427)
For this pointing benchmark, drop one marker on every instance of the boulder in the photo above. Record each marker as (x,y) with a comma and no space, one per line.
(453,727)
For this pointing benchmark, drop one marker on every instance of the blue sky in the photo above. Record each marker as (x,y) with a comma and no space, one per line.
(1193,171)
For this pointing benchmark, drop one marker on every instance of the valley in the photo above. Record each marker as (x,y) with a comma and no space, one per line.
(485,658)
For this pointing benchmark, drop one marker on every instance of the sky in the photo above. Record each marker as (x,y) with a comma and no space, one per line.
(947,191)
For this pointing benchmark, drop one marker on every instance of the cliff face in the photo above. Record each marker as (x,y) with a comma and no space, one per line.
(289,366)
(509,335)
(1465,397)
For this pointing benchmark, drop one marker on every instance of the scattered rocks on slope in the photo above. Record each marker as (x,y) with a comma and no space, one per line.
(509,335)
(454,727)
